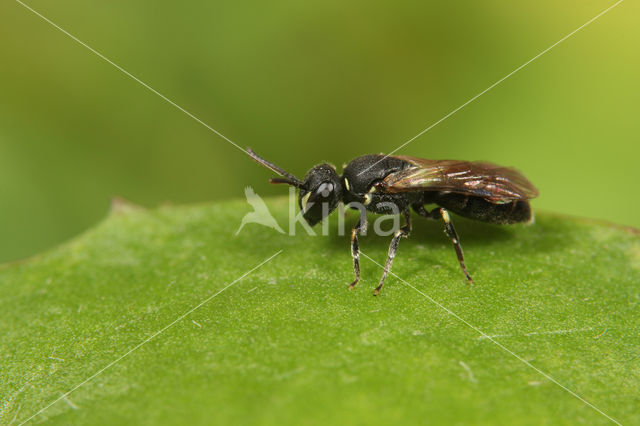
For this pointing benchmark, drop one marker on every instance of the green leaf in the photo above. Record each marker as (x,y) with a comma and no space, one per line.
(104,316)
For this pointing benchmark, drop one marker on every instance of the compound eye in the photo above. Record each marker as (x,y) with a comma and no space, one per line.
(325,189)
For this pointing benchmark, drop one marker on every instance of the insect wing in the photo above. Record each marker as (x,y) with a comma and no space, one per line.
(490,181)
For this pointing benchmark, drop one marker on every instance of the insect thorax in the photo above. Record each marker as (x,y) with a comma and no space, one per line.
(363,172)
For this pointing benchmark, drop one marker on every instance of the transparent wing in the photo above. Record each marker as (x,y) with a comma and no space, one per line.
(490,181)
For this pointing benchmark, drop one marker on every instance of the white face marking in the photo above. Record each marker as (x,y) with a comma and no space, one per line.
(367,199)
(305,199)
(346,184)
(325,189)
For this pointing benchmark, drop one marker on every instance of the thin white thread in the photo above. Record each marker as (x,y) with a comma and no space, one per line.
(501,346)
(128,74)
(64,395)
(494,84)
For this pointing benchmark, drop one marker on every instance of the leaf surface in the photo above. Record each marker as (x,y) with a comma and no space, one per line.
(104,316)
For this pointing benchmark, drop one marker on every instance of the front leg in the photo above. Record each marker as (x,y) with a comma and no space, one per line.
(360,228)
(393,247)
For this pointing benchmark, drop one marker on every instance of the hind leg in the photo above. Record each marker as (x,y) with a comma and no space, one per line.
(441,213)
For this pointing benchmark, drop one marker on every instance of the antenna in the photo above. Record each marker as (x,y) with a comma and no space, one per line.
(289,179)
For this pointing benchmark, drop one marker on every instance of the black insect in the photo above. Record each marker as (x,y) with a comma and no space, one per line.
(476,190)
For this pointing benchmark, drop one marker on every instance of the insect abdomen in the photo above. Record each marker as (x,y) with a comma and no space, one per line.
(480,209)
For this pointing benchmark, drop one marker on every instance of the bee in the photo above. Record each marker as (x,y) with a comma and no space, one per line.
(476,190)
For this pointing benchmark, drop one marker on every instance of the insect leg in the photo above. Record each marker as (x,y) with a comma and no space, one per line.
(443,214)
(393,247)
(360,227)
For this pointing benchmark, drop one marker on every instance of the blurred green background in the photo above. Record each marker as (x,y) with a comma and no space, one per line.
(302,82)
